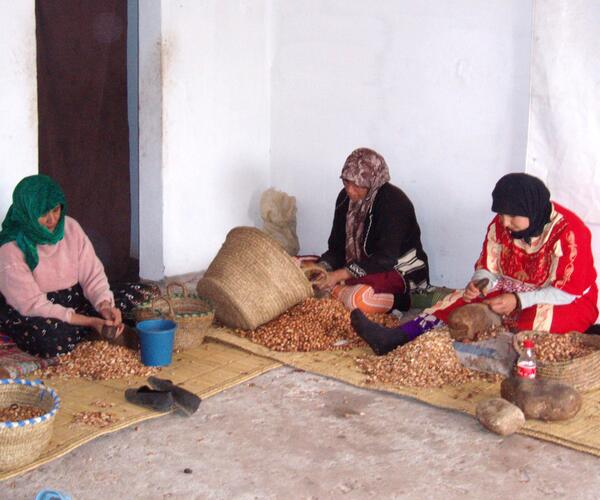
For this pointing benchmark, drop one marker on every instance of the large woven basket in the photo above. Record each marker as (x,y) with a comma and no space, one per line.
(582,373)
(192,313)
(252,280)
(24,441)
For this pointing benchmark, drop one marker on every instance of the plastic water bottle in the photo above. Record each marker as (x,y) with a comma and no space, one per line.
(526,366)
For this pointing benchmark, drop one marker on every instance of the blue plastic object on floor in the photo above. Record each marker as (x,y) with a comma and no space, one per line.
(52,495)
(156,341)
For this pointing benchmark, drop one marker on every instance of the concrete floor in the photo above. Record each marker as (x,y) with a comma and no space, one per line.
(292,435)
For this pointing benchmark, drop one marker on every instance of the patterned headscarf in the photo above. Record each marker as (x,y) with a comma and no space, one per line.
(365,168)
(33,197)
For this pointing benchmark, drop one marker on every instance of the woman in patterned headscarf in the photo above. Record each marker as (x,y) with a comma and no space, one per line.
(375,257)
(536,265)
(53,289)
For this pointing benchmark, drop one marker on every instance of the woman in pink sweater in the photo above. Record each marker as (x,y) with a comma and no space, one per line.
(54,292)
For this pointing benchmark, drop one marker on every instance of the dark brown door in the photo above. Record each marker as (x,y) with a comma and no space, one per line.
(83,129)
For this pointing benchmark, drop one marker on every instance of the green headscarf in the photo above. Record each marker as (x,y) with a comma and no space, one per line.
(33,197)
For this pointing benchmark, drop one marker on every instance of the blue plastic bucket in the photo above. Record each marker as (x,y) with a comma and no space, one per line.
(156,341)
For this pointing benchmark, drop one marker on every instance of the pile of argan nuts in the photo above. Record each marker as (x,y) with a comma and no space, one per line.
(553,348)
(428,361)
(312,325)
(95,418)
(16,412)
(98,360)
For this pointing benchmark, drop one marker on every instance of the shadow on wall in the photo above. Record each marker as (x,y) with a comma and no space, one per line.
(248,182)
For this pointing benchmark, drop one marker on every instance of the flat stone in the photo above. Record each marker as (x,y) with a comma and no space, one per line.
(500,416)
(467,321)
(542,399)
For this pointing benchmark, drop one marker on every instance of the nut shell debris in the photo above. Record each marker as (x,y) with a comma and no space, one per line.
(98,361)
(428,361)
(16,412)
(312,325)
(564,347)
(95,418)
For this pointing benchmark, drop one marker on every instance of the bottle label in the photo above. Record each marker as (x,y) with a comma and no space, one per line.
(526,371)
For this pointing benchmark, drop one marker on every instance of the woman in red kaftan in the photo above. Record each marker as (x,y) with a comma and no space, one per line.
(561,258)
(538,261)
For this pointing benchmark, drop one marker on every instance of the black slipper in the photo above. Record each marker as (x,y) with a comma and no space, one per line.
(185,400)
(149,398)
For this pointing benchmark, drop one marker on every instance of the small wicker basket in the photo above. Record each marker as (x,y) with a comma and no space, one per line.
(192,313)
(24,441)
(581,373)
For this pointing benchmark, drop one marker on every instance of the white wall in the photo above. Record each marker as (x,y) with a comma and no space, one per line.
(439,88)
(150,141)
(18,97)
(215,124)
(564,116)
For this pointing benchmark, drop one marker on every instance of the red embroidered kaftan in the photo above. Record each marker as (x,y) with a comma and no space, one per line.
(561,257)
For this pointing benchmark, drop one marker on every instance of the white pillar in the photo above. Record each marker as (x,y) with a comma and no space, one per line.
(150,141)
(18,97)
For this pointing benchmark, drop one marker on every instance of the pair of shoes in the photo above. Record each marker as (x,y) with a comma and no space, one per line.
(149,398)
(163,395)
(184,400)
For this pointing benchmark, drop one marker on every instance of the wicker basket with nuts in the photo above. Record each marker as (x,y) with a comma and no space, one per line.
(570,358)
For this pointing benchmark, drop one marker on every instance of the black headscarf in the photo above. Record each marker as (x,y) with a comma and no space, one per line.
(525,195)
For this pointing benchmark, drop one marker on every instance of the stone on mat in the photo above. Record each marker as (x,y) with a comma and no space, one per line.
(467,321)
(500,416)
(542,399)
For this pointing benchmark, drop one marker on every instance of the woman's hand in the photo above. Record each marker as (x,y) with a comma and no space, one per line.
(503,304)
(334,277)
(88,321)
(471,292)
(110,313)
(113,318)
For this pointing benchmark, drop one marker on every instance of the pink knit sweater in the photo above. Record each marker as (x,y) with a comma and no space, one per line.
(72,260)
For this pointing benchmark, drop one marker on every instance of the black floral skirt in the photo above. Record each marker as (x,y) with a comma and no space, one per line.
(49,337)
